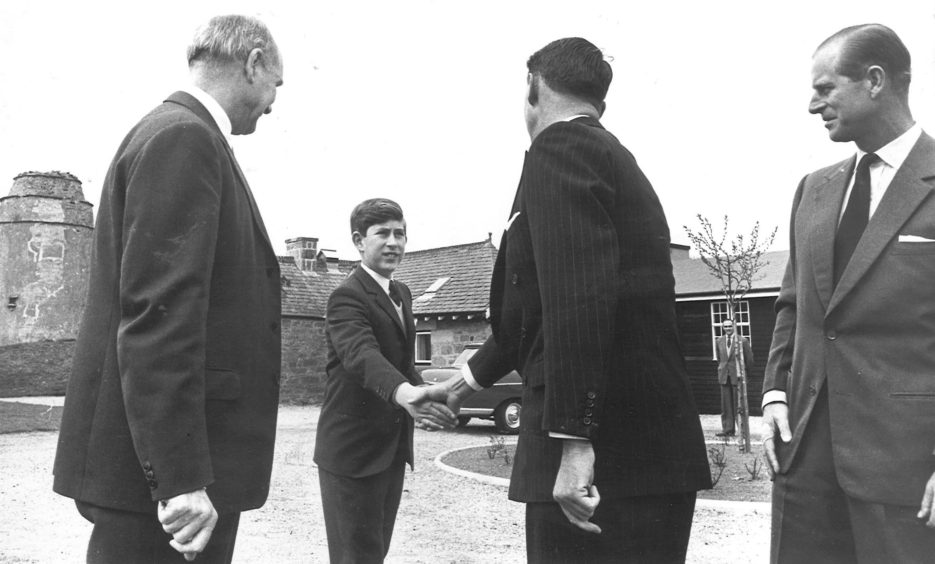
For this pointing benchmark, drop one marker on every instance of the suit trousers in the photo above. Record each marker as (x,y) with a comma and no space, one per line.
(646,529)
(119,537)
(728,407)
(814,520)
(360,513)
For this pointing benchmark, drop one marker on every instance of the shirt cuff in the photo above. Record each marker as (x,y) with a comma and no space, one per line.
(469,378)
(564,436)
(773,396)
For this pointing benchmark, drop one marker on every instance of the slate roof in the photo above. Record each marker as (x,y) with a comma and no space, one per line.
(305,294)
(693,278)
(468,267)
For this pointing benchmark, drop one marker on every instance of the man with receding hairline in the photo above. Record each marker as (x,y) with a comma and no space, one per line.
(849,397)
(170,413)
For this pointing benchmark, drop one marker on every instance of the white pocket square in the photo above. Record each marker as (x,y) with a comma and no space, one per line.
(914,239)
(510,222)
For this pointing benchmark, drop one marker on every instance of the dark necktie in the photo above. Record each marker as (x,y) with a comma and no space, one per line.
(855,217)
(394,294)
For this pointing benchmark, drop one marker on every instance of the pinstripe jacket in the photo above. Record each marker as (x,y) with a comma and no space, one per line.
(582,306)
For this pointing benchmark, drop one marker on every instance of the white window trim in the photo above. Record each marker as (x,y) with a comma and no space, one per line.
(718,312)
(415,353)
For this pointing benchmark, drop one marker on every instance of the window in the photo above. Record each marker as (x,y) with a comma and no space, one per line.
(741,321)
(424,347)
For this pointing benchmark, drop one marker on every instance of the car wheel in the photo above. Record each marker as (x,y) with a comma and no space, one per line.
(506,416)
(463,420)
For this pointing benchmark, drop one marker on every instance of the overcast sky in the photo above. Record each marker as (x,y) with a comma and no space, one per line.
(421,101)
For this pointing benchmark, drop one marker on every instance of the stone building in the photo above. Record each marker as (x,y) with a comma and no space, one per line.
(450,298)
(46,228)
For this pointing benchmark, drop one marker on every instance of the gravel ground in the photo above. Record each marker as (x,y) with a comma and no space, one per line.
(476,521)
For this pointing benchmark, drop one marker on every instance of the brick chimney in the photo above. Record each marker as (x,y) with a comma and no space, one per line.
(304,250)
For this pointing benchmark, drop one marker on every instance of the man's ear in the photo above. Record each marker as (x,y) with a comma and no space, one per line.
(877,79)
(358,240)
(254,59)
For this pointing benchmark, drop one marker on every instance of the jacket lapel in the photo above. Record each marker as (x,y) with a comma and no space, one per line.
(825,208)
(905,193)
(380,297)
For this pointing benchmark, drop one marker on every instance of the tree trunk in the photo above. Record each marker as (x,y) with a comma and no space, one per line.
(743,406)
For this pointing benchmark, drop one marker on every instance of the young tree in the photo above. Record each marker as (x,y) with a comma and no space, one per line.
(735,263)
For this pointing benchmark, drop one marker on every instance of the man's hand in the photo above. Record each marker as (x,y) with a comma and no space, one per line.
(776,419)
(427,414)
(452,392)
(573,489)
(927,510)
(190,519)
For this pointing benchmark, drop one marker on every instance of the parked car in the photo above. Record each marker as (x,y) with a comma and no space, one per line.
(501,402)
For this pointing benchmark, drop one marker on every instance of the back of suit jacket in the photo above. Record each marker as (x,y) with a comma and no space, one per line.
(583,306)
(370,353)
(175,382)
(871,338)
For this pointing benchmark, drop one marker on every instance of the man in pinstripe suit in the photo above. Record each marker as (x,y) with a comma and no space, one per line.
(582,306)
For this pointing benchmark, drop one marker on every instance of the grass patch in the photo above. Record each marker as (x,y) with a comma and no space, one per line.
(25,418)
(735,483)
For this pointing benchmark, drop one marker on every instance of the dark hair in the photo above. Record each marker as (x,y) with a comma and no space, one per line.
(373,212)
(863,46)
(572,66)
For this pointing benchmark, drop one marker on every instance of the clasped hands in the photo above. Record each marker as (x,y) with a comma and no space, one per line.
(427,406)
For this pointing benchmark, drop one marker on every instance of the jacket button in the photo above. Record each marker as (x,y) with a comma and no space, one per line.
(589,403)
(147,466)
(150,474)
(812,390)
(153,484)
(586,420)
(591,395)
(831,335)
(515,279)
(588,412)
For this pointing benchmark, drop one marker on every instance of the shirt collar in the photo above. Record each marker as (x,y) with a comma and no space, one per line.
(214,108)
(895,152)
(383,281)
(574,117)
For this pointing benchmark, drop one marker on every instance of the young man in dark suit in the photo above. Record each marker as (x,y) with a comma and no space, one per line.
(582,305)
(170,412)
(374,396)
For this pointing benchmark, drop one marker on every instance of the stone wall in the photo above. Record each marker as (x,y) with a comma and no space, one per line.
(304,357)
(46,229)
(449,336)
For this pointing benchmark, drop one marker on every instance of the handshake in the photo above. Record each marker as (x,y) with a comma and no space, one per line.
(434,406)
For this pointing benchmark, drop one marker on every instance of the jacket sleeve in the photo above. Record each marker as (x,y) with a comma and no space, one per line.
(567,195)
(351,334)
(779,362)
(170,229)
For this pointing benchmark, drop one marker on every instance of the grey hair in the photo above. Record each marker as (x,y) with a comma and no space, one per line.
(230,38)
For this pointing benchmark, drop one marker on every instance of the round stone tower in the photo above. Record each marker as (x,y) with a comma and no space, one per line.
(45,256)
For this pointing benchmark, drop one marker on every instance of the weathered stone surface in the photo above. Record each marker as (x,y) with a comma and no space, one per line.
(46,228)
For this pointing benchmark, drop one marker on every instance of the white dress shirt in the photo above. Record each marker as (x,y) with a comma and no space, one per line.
(214,108)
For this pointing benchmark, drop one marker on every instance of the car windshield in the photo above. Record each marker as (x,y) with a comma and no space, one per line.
(463,357)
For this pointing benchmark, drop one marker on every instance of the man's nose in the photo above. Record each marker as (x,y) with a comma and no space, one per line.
(816,105)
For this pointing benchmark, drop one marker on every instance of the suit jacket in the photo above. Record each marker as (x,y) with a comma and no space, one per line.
(175,382)
(370,353)
(727,359)
(582,305)
(871,339)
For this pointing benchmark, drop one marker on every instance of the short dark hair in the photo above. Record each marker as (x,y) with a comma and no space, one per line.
(866,45)
(573,66)
(373,212)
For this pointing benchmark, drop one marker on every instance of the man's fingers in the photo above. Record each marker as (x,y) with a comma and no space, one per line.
(769,448)
(785,433)
(196,545)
